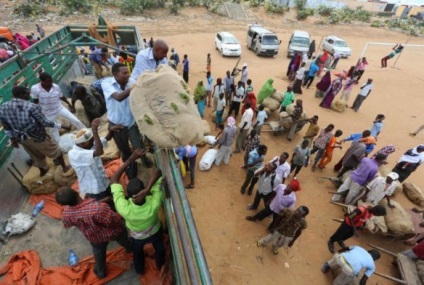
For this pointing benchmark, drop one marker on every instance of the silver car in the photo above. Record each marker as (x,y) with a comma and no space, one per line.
(335,44)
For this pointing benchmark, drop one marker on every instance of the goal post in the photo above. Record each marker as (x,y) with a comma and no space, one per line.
(387,44)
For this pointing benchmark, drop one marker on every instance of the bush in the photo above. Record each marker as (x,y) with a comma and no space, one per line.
(324,10)
(300,4)
(256,3)
(377,24)
(29,9)
(133,7)
(304,13)
(272,7)
(362,15)
(82,6)
(176,6)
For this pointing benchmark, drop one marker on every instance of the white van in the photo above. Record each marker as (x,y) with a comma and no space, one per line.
(262,41)
(299,42)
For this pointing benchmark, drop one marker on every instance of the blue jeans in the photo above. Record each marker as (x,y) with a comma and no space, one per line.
(158,245)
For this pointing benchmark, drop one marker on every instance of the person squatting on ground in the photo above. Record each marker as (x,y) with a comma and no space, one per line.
(351,261)
(380,188)
(287,229)
(140,212)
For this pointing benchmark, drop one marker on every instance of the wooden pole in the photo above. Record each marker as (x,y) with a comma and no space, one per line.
(339,204)
(400,281)
(383,250)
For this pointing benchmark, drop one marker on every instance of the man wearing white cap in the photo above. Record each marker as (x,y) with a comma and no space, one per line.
(85,158)
(244,75)
(380,188)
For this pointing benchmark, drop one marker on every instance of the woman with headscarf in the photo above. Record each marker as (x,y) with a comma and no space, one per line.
(311,49)
(225,142)
(334,89)
(409,162)
(386,150)
(200,98)
(300,74)
(295,66)
(290,64)
(266,90)
(252,99)
(323,85)
(322,59)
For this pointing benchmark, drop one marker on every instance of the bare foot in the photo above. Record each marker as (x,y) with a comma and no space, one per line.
(43,171)
(66,168)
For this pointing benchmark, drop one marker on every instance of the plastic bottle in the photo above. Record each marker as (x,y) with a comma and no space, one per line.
(37,209)
(73,258)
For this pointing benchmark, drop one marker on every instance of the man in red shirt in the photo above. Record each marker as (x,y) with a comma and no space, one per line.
(353,221)
(96,221)
(417,252)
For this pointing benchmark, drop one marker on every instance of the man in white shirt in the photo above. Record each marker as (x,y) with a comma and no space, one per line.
(380,188)
(116,90)
(150,59)
(237,99)
(268,180)
(366,89)
(261,117)
(85,159)
(217,90)
(208,87)
(244,75)
(49,96)
(243,128)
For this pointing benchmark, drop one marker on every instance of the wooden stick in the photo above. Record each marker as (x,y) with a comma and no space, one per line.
(391,278)
(338,220)
(339,204)
(383,250)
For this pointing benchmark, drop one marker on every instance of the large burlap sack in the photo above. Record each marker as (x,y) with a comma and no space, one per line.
(111,152)
(163,109)
(209,139)
(64,179)
(206,128)
(398,221)
(338,105)
(278,96)
(414,193)
(66,142)
(286,122)
(420,269)
(272,104)
(81,114)
(290,109)
(40,185)
(267,111)
(207,159)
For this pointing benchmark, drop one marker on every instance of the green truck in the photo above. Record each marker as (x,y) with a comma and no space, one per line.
(57,55)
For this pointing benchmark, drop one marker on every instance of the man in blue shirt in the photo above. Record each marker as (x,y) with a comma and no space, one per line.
(97,60)
(254,162)
(351,261)
(150,59)
(188,155)
(116,90)
(186,65)
(313,70)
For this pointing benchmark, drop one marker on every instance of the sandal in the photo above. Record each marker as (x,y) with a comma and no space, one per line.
(190,186)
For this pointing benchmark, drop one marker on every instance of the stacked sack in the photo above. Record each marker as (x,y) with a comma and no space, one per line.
(164,110)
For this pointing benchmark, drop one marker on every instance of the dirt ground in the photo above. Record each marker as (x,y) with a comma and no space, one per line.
(219,208)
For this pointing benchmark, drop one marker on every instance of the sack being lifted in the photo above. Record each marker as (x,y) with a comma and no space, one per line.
(164,110)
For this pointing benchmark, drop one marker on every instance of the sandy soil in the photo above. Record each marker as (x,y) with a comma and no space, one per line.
(219,208)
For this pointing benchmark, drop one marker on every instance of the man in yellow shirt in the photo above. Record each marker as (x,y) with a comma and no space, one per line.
(140,212)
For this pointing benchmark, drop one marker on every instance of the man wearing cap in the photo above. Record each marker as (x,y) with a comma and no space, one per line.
(366,172)
(244,75)
(85,158)
(225,142)
(150,58)
(24,123)
(351,261)
(284,198)
(380,188)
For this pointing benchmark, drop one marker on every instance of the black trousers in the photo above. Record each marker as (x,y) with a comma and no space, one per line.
(190,163)
(138,244)
(250,179)
(297,167)
(258,197)
(99,252)
(185,76)
(263,213)
(308,81)
(343,233)
(235,106)
(104,194)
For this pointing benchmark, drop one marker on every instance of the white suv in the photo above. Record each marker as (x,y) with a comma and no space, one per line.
(335,44)
(227,44)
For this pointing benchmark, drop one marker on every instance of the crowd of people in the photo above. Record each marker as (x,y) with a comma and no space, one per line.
(102,210)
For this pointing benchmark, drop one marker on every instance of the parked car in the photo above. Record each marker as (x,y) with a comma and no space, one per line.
(335,44)
(299,42)
(262,41)
(227,44)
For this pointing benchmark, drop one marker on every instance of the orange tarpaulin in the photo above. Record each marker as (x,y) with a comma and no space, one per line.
(24,268)
(54,210)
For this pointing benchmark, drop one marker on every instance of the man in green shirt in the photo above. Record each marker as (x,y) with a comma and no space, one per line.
(140,212)
(287,99)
